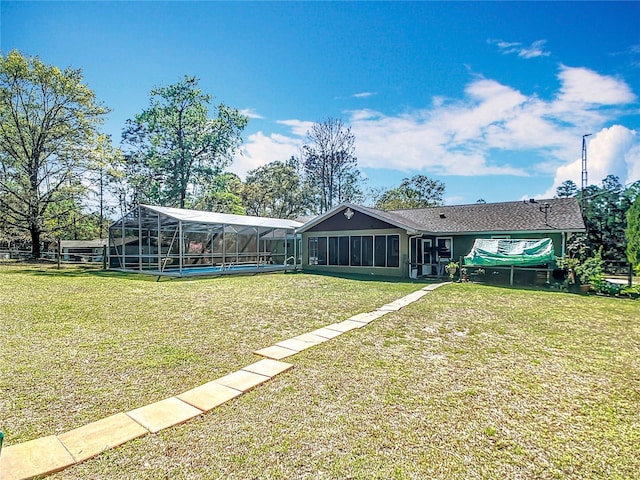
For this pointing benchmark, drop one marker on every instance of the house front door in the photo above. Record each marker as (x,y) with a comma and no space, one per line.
(427,257)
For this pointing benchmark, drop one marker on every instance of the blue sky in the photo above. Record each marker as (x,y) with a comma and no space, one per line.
(492,98)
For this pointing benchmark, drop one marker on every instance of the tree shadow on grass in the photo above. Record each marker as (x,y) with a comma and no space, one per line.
(46,269)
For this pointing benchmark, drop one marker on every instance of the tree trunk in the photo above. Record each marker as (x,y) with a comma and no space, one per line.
(35,242)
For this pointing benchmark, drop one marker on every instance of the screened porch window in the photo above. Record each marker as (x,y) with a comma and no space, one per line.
(393,251)
(338,250)
(380,251)
(317,250)
(355,251)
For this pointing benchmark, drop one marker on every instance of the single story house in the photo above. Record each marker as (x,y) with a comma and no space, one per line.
(420,242)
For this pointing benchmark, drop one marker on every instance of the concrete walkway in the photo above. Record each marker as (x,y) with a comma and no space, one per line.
(47,455)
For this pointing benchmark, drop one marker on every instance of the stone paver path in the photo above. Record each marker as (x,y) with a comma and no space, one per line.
(51,454)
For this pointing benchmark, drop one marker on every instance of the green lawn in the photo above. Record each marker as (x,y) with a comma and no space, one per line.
(469,382)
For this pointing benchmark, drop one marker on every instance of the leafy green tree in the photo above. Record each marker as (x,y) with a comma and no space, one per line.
(577,246)
(567,189)
(10,235)
(222,195)
(176,148)
(606,217)
(48,123)
(607,220)
(275,190)
(69,220)
(330,165)
(418,191)
(632,233)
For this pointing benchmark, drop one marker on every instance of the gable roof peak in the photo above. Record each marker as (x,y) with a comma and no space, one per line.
(388,217)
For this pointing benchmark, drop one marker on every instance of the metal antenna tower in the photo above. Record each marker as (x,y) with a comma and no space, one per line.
(584,172)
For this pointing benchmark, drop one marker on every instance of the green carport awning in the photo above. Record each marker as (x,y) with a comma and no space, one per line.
(505,252)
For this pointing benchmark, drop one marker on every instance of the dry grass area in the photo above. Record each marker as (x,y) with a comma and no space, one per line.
(469,382)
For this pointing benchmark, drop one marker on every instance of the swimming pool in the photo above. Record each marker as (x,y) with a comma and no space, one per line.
(210,270)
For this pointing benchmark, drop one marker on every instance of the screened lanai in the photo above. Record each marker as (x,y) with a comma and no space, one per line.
(179,242)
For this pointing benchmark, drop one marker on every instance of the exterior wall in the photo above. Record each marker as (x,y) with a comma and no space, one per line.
(462,245)
(401,271)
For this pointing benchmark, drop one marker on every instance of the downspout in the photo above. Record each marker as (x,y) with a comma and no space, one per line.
(563,235)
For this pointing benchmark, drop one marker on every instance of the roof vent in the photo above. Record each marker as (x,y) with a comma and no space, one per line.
(442,215)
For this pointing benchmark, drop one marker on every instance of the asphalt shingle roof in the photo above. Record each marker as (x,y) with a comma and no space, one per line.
(563,214)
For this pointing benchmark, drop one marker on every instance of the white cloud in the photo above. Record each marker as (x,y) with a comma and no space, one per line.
(585,87)
(611,151)
(260,149)
(417,142)
(298,127)
(251,113)
(363,94)
(493,130)
(632,158)
(536,49)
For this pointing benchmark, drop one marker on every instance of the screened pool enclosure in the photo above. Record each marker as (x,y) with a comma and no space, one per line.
(179,242)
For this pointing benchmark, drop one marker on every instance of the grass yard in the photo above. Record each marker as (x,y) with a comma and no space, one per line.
(469,382)
(82,344)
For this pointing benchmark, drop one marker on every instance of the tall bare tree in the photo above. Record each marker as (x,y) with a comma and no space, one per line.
(330,164)
(48,124)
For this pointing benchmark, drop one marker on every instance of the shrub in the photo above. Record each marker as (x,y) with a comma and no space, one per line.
(608,288)
(632,291)
(591,271)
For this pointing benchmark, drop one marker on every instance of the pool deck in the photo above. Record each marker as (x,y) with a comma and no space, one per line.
(47,455)
(232,269)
